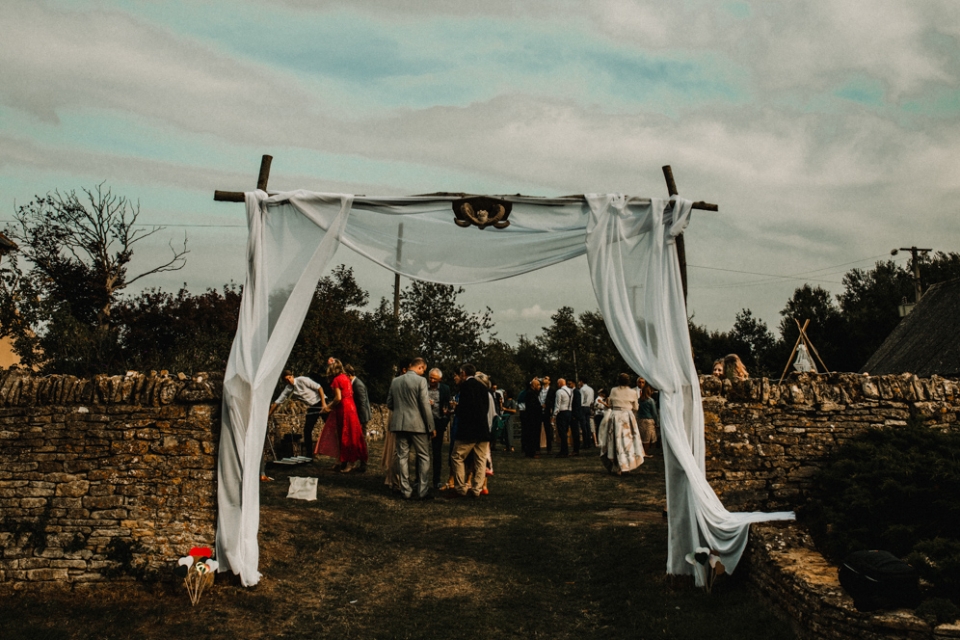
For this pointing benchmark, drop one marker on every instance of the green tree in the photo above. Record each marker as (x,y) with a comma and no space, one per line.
(827,329)
(939,268)
(499,361)
(447,335)
(58,306)
(598,359)
(870,305)
(182,332)
(573,346)
(530,358)
(871,298)
(335,325)
(389,346)
(560,342)
(754,343)
(709,346)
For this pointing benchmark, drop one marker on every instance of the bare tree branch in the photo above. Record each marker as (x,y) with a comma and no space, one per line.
(177,262)
(87,243)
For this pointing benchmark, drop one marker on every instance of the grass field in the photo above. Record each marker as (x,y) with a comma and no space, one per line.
(560,549)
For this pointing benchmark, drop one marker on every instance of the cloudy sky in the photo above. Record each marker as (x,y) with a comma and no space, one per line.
(828,131)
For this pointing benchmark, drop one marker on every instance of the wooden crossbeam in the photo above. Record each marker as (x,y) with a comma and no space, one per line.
(264,176)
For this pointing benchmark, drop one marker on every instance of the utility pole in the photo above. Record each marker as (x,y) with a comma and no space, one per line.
(396,275)
(915,261)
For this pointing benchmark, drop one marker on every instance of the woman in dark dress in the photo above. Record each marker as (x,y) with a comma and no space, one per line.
(530,419)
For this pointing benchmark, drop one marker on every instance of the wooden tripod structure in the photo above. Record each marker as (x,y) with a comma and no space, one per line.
(264,176)
(809,344)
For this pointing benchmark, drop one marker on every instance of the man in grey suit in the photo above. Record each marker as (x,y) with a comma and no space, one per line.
(412,423)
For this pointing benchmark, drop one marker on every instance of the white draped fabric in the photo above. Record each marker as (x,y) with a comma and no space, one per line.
(630,248)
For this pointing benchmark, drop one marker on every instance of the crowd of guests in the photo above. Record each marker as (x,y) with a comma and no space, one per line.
(622,424)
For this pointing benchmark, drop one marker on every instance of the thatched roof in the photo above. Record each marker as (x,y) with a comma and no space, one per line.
(7,245)
(927,341)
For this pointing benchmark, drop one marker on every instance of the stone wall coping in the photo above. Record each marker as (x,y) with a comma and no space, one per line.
(829,391)
(787,569)
(19,388)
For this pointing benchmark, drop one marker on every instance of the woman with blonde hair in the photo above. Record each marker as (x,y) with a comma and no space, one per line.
(718,368)
(733,368)
(342,436)
(618,435)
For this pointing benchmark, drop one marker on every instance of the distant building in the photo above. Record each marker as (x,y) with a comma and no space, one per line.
(6,245)
(927,341)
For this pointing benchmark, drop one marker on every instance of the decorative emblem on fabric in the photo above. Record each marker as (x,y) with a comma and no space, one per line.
(482,211)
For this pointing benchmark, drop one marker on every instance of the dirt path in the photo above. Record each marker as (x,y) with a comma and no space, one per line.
(560,549)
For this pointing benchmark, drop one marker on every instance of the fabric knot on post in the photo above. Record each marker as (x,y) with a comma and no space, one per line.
(680,209)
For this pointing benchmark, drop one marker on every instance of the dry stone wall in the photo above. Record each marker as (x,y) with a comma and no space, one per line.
(116,475)
(788,571)
(765,442)
(113,477)
(104,478)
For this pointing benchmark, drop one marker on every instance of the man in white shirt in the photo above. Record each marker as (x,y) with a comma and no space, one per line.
(563,417)
(587,396)
(308,391)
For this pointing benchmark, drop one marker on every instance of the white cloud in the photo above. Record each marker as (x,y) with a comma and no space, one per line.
(799,186)
(536,313)
(57,59)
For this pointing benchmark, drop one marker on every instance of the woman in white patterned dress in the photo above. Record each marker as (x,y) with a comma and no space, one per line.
(618,435)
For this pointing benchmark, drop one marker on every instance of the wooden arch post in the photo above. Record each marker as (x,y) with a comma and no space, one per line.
(681,244)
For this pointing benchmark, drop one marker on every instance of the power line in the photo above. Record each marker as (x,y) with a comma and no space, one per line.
(172,224)
(882,255)
(755,273)
(777,277)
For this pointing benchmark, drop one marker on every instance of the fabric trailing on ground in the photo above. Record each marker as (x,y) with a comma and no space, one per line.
(631,251)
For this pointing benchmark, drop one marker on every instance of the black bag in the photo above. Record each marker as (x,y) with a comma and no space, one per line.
(879,580)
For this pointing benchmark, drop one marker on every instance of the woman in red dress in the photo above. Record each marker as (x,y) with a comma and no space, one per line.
(342,435)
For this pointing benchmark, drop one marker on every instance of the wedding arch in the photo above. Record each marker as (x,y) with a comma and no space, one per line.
(631,248)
